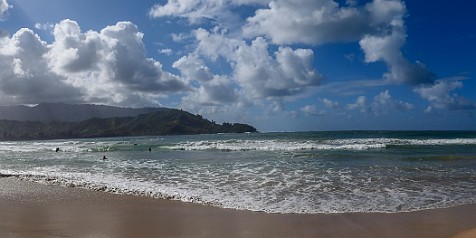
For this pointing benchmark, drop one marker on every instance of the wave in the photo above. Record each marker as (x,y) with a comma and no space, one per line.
(337,144)
(382,200)
(64,146)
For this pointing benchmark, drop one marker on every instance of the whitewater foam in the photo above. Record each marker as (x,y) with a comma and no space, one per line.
(338,144)
(269,145)
(271,173)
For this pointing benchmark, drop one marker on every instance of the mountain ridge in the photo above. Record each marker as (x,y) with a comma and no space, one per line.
(46,112)
(161,121)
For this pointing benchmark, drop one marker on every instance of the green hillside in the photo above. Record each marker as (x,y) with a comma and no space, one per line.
(164,122)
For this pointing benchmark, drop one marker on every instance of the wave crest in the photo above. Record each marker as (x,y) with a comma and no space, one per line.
(338,144)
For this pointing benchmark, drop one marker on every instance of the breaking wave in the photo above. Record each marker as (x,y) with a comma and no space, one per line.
(340,144)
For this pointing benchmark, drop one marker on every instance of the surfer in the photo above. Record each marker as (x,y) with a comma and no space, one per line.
(57,149)
(150,149)
(104,158)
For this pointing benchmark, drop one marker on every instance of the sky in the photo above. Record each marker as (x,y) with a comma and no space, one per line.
(279,65)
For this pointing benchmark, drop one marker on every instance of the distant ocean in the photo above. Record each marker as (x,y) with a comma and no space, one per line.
(302,172)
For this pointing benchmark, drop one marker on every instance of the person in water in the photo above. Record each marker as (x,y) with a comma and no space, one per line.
(104,157)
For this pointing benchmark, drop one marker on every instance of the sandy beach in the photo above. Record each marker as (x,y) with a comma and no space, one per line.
(35,210)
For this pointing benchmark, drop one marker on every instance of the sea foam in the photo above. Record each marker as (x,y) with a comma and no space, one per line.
(285,173)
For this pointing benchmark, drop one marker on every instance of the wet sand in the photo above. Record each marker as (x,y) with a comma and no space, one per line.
(35,210)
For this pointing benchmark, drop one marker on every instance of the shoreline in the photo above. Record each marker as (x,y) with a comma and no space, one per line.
(145,196)
(36,210)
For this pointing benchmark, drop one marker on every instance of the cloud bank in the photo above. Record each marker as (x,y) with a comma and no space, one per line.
(109,66)
(235,55)
(262,54)
(257,73)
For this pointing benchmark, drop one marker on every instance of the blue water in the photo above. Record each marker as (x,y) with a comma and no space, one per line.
(313,172)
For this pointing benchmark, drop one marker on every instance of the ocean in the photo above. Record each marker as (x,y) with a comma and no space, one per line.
(299,172)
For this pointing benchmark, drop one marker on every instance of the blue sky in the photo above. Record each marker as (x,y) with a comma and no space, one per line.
(276,64)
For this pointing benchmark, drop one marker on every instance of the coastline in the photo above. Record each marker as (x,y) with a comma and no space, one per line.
(35,210)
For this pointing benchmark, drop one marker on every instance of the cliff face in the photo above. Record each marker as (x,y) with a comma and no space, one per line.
(160,122)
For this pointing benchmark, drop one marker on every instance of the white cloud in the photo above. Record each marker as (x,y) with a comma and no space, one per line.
(166,51)
(126,58)
(192,68)
(108,67)
(25,75)
(116,54)
(387,49)
(323,21)
(181,37)
(384,104)
(44,26)
(4,6)
(216,43)
(360,104)
(215,92)
(378,26)
(330,104)
(387,46)
(74,51)
(309,22)
(440,97)
(195,11)
(311,110)
(259,74)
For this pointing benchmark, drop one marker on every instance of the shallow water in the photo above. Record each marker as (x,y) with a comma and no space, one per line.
(313,172)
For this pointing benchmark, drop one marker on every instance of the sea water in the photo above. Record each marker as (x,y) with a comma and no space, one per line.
(302,172)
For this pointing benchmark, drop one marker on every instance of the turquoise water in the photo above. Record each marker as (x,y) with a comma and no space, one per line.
(312,172)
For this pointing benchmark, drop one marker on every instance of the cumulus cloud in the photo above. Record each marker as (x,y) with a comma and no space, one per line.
(310,22)
(330,104)
(259,73)
(166,51)
(323,21)
(378,26)
(125,55)
(383,103)
(115,55)
(387,48)
(3,8)
(440,96)
(311,110)
(192,68)
(25,75)
(44,26)
(217,91)
(265,65)
(109,67)
(360,104)
(74,51)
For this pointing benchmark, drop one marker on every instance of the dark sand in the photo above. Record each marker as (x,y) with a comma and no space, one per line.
(35,210)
